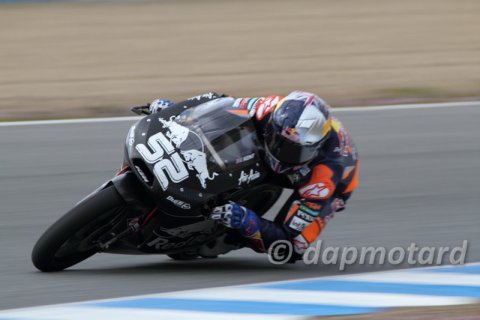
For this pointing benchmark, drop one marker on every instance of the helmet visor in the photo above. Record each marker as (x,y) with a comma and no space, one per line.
(275,164)
(288,151)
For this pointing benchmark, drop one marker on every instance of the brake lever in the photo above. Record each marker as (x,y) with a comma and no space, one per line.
(140,110)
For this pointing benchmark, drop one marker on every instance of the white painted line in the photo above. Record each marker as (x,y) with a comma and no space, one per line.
(96,313)
(427,278)
(334,298)
(409,106)
(67,121)
(336,110)
(401,272)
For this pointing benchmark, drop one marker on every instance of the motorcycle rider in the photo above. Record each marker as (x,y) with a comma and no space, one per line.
(308,150)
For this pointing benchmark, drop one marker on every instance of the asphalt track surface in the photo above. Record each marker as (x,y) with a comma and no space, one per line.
(419,183)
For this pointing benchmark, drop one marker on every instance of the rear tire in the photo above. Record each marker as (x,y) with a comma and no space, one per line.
(183,256)
(67,241)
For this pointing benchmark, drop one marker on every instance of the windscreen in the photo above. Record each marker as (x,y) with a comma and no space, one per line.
(226,136)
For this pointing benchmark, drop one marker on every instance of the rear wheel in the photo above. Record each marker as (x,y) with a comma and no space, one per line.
(75,236)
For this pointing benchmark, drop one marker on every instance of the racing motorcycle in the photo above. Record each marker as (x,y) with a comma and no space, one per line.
(178,165)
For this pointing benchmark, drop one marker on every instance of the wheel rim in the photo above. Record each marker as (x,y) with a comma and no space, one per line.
(87,238)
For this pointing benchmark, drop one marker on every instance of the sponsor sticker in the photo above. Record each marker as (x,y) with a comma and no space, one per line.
(305,170)
(248,177)
(298,224)
(305,216)
(179,203)
(246,158)
(244,103)
(208,95)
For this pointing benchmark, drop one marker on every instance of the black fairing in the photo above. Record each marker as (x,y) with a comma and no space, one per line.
(187,157)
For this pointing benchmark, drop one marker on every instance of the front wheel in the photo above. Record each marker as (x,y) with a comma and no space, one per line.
(74,237)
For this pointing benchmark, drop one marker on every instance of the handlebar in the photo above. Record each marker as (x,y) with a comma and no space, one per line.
(141,109)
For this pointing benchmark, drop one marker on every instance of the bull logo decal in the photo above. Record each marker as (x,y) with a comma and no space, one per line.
(195,159)
(177,133)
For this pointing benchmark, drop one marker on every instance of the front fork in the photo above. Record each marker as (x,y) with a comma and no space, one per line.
(134,195)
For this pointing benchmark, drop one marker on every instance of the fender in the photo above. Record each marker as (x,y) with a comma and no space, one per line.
(132,190)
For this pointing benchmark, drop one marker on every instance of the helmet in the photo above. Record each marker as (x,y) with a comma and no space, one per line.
(296,131)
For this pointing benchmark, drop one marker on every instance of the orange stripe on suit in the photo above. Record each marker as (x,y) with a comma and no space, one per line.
(293,210)
(354,183)
(313,230)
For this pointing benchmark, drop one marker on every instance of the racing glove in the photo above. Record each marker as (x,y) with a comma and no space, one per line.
(233,215)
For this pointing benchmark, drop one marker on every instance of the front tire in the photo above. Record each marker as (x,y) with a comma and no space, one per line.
(73,237)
